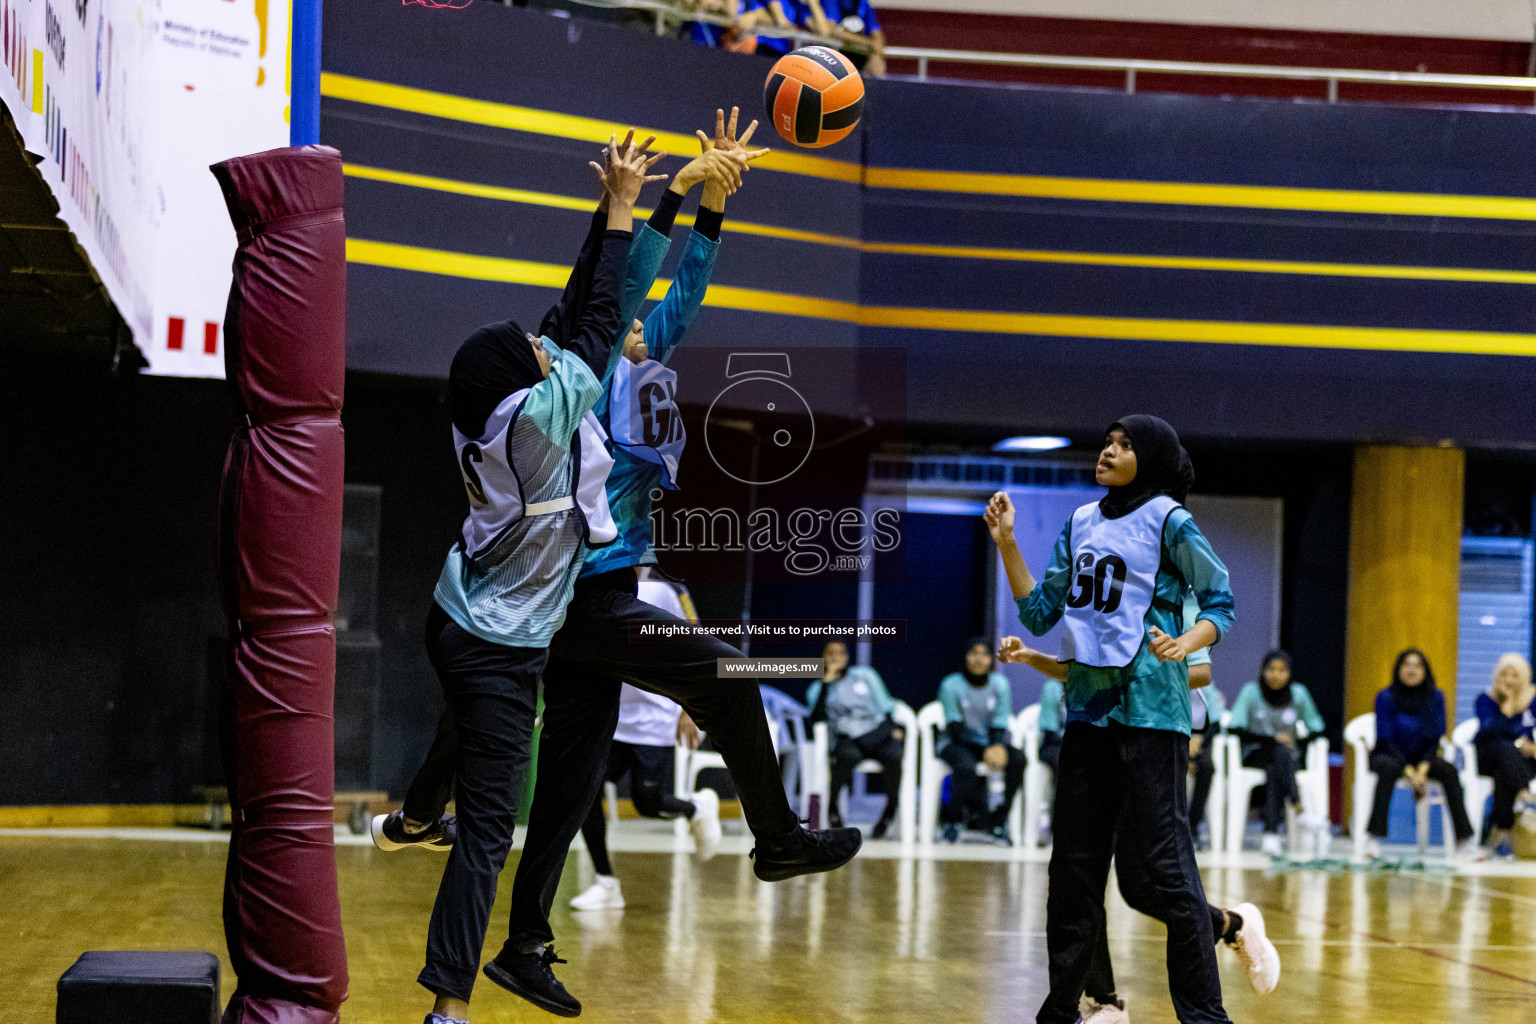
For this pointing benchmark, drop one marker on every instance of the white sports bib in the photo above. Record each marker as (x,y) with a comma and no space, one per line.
(1114,577)
(495,488)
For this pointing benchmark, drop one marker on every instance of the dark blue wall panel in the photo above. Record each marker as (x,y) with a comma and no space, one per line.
(1449,274)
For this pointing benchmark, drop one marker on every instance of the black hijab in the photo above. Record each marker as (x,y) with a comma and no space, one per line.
(1412,699)
(1276,697)
(965,668)
(1162,466)
(494,362)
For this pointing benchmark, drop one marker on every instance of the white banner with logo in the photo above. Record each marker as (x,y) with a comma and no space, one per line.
(128,103)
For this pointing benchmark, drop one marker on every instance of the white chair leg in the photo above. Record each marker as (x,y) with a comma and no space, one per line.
(1016,822)
(1034,785)
(611,796)
(680,786)
(1447,829)
(906,811)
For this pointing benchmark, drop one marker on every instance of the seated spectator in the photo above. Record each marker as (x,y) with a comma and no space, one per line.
(1267,718)
(977,704)
(857,709)
(1506,744)
(725,37)
(1410,721)
(780,14)
(852,21)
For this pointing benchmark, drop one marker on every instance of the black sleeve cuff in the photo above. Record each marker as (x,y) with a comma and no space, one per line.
(707,223)
(665,212)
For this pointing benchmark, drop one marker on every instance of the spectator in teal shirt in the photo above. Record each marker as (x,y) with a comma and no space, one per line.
(857,708)
(1276,718)
(977,704)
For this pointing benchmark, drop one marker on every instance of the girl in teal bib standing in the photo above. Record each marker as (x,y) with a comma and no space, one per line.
(1115,582)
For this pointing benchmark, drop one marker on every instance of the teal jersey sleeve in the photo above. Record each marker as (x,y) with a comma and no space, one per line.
(1203,572)
(949,698)
(1306,707)
(646,254)
(1041,608)
(667,323)
(557,404)
(1247,697)
(1004,709)
(1050,706)
(1191,614)
(813,694)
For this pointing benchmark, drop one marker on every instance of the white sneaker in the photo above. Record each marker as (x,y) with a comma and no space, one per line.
(604,895)
(705,824)
(1373,848)
(1470,850)
(1271,846)
(1255,950)
(1091,1012)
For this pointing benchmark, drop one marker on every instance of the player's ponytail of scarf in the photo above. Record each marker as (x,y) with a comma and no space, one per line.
(1162,466)
(494,362)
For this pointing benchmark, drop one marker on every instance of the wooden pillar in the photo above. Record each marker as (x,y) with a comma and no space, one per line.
(1404,568)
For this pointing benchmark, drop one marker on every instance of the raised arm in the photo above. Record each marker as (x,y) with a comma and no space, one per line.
(597,317)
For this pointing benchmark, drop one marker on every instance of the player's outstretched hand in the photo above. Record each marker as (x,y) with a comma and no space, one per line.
(627,170)
(999,518)
(728,145)
(1166,648)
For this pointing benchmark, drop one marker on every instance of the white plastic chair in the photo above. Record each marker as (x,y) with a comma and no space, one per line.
(1477,788)
(932,770)
(1361,735)
(906,806)
(687,764)
(799,769)
(1311,783)
(1036,793)
(1216,800)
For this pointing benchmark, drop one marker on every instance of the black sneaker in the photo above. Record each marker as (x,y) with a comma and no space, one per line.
(1000,835)
(806,851)
(389,833)
(530,975)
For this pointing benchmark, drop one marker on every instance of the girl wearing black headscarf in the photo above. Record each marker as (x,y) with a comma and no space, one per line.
(1276,717)
(1410,722)
(1116,581)
(521,408)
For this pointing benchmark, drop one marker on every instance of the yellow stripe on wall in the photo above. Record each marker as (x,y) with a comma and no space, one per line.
(546,122)
(1219,264)
(1385,339)
(570,126)
(1416,204)
(37,81)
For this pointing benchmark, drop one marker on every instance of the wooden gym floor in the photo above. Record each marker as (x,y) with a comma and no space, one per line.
(886,940)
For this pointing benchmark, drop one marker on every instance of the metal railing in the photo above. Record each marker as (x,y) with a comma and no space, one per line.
(1130,68)
(668,17)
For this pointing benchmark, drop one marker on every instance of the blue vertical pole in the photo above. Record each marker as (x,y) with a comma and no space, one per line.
(304,115)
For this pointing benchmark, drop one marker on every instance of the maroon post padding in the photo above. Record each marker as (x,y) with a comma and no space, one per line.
(279,566)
